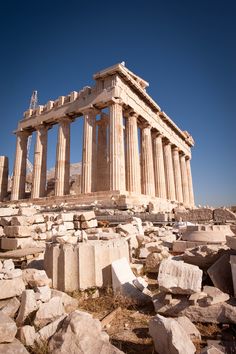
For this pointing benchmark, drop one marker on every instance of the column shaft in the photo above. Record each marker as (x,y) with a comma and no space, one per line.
(94,156)
(177,175)
(40,164)
(62,173)
(88,151)
(169,172)
(190,183)
(102,156)
(148,185)
(19,175)
(133,178)
(116,151)
(159,168)
(184,180)
(3,176)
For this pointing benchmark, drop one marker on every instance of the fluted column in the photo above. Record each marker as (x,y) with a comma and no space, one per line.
(88,151)
(159,168)
(184,177)
(116,151)
(19,175)
(148,184)
(62,173)
(3,177)
(133,178)
(177,175)
(190,182)
(40,163)
(102,154)
(169,172)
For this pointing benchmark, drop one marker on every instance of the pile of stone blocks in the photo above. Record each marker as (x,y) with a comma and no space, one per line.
(22,227)
(152,245)
(31,313)
(185,293)
(25,227)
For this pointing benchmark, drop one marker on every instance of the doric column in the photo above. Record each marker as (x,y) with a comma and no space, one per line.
(133,178)
(184,177)
(148,185)
(116,151)
(3,176)
(169,171)
(94,154)
(159,168)
(190,182)
(62,173)
(102,154)
(177,175)
(40,163)
(88,151)
(19,175)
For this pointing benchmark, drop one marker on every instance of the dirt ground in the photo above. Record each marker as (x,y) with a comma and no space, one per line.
(128,325)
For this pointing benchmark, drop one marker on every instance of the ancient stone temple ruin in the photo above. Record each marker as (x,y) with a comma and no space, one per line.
(133,153)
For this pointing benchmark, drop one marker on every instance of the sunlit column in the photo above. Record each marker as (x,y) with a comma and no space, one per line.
(62,173)
(148,185)
(116,150)
(133,178)
(184,176)
(40,163)
(169,171)
(88,150)
(159,168)
(19,175)
(190,182)
(177,175)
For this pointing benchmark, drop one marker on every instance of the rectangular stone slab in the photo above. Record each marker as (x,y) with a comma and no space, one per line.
(21,253)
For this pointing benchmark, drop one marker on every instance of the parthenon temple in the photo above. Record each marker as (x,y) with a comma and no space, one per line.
(132,152)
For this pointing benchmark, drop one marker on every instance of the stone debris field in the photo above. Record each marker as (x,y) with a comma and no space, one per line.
(90,280)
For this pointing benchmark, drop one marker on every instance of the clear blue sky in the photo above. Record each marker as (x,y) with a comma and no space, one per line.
(186,50)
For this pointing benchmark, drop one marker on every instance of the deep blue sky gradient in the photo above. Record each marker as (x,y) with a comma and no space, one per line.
(186,50)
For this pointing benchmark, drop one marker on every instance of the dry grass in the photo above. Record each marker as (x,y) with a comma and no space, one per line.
(105,303)
(39,348)
(128,329)
(208,329)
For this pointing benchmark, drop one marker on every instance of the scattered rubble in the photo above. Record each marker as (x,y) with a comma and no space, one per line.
(188,272)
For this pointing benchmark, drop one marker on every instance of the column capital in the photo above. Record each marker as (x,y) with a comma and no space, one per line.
(129,112)
(157,134)
(23,133)
(43,127)
(90,110)
(116,101)
(64,121)
(182,154)
(132,117)
(166,141)
(146,125)
(175,148)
